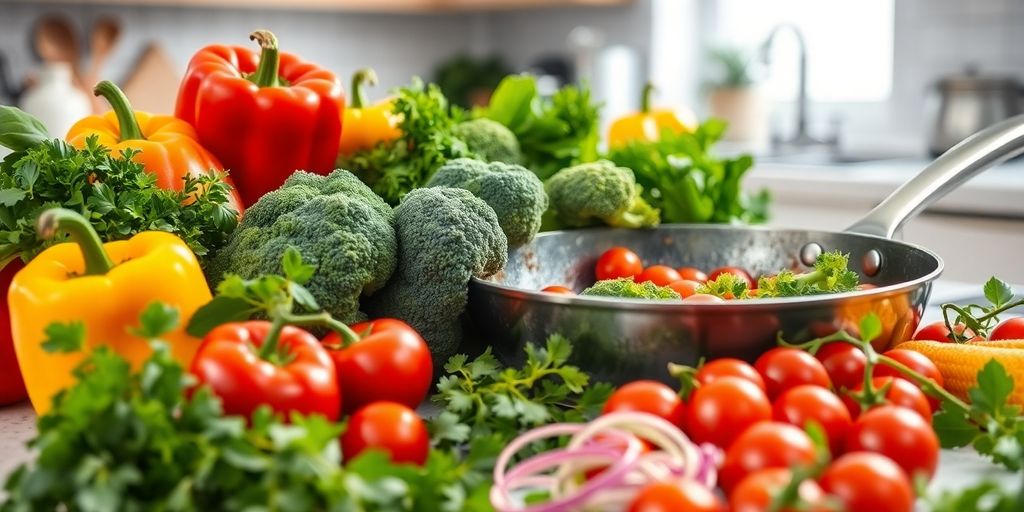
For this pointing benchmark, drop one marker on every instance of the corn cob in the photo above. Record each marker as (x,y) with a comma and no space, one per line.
(960,363)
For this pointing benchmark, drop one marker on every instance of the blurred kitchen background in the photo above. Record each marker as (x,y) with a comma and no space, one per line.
(841,101)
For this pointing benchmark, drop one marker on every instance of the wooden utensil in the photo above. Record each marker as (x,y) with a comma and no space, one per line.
(105,33)
(153,82)
(54,41)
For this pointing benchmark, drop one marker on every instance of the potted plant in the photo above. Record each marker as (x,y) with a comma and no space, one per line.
(734,95)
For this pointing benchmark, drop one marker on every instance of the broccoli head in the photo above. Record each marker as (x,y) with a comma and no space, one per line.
(626,288)
(445,237)
(490,139)
(515,193)
(335,221)
(598,193)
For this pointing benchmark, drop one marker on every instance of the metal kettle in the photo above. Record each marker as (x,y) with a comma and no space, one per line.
(968,102)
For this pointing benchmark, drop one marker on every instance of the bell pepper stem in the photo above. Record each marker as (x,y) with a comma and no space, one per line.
(360,79)
(269,348)
(645,97)
(266,74)
(128,125)
(97,262)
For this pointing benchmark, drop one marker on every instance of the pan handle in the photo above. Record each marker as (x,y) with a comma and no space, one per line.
(988,147)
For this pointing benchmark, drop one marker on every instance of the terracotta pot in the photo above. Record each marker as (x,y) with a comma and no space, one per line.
(746,110)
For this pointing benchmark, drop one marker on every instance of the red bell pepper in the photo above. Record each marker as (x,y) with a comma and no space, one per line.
(249,364)
(264,115)
(12,386)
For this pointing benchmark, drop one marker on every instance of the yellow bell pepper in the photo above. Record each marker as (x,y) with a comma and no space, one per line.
(648,123)
(105,287)
(364,125)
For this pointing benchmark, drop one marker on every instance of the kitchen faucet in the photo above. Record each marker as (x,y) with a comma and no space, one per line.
(801,138)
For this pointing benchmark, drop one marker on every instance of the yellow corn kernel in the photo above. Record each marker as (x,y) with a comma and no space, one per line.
(960,363)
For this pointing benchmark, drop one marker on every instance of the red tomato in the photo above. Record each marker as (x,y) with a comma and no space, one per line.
(679,496)
(764,445)
(915,361)
(720,411)
(618,262)
(1009,329)
(660,275)
(685,288)
(869,482)
(783,368)
(390,427)
(802,404)
(391,362)
(693,274)
(937,331)
(728,367)
(756,492)
(648,396)
(559,289)
(898,433)
(704,298)
(733,270)
(901,393)
(844,364)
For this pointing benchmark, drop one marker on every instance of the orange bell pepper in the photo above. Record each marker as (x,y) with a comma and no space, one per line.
(647,124)
(105,287)
(169,146)
(366,125)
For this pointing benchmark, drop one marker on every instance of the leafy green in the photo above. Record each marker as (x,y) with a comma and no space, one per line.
(394,168)
(554,133)
(136,440)
(482,398)
(977,319)
(681,177)
(985,496)
(20,131)
(626,287)
(116,195)
(831,274)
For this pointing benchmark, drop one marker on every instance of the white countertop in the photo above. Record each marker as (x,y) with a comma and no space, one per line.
(996,192)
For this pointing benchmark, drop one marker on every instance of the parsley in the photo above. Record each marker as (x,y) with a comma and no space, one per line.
(986,496)
(978,319)
(116,194)
(483,398)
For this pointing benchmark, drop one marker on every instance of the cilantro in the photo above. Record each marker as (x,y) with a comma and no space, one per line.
(483,398)
(115,193)
(977,319)
(69,337)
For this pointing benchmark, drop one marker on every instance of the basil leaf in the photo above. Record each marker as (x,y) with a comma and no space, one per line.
(19,130)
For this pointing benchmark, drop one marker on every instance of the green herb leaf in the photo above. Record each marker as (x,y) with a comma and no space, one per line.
(994,387)
(220,310)
(998,292)
(954,429)
(19,130)
(870,327)
(156,320)
(64,338)
(294,268)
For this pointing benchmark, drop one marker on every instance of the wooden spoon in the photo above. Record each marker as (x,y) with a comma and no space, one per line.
(54,41)
(105,33)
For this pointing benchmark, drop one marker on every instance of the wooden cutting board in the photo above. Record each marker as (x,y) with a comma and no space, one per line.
(152,84)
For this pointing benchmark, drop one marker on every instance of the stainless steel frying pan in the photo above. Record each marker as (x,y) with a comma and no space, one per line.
(623,339)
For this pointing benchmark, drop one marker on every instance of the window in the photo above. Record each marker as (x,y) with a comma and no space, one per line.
(849,45)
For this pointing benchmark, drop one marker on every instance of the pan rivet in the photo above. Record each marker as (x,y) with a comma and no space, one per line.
(809,254)
(872,262)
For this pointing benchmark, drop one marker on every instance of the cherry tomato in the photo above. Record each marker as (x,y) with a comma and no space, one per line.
(679,496)
(648,396)
(720,411)
(693,274)
(1009,329)
(728,367)
(618,262)
(390,427)
(768,444)
(783,368)
(733,270)
(660,275)
(684,287)
(756,492)
(704,298)
(915,361)
(870,482)
(558,289)
(844,364)
(806,403)
(901,394)
(898,433)
(937,331)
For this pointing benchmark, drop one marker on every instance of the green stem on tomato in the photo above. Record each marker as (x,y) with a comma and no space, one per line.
(97,262)
(127,124)
(348,336)
(266,74)
(360,79)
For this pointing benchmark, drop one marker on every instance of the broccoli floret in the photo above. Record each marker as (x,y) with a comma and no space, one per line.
(446,236)
(515,193)
(335,221)
(490,139)
(598,192)
(626,288)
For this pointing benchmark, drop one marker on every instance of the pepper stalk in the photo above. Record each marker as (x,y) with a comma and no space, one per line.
(54,220)
(127,123)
